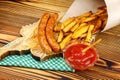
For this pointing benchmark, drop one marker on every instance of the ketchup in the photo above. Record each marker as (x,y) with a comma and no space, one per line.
(78,60)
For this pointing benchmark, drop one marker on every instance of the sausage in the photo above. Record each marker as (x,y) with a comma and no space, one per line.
(49,33)
(41,34)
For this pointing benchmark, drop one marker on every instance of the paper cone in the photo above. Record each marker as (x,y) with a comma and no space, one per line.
(81,6)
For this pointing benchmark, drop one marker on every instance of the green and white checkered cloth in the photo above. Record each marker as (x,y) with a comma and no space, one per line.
(26,60)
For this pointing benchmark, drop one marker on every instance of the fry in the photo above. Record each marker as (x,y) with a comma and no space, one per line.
(66,34)
(60,37)
(79,32)
(83,35)
(100,11)
(74,27)
(103,24)
(98,24)
(96,42)
(66,22)
(102,7)
(85,14)
(69,26)
(90,18)
(58,27)
(89,34)
(81,25)
(65,41)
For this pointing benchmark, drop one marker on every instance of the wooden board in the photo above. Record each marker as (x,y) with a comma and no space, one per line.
(13,15)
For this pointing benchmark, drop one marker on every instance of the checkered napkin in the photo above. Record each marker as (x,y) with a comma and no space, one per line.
(26,60)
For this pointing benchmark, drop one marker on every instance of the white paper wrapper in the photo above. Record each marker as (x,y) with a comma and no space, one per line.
(81,6)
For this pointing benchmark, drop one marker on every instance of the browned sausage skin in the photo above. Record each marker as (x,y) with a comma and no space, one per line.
(41,34)
(49,33)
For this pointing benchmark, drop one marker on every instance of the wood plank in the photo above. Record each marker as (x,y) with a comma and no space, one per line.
(109,48)
(64,3)
(31,74)
(94,73)
(22,9)
(114,31)
(15,20)
(7,37)
(52,6)
(11,30)
(13,15)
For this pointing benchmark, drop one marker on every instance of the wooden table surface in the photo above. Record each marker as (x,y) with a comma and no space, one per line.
(13,15)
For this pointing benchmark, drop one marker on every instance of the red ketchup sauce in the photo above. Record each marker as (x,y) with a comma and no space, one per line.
(78,60)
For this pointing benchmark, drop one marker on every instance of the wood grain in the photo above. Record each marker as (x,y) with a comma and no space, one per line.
(13,15)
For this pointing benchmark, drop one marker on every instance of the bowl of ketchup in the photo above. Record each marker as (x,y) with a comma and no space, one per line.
(79,60)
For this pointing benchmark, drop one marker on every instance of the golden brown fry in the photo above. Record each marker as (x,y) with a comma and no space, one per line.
(85,14)
(62,26)
(74,27)
(98,24)
(102,7)
(75,41)
(81,25)
(58,27)
(60,37)
(66,34)
(96,42)
(92,17)
(79,32)
(99,12)
(69,26)
(89,34)
(83,35)
(81,20)
(66,22)
(103,15)
(104,24)
(65,41)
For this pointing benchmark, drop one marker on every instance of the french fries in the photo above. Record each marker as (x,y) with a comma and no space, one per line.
(82,27)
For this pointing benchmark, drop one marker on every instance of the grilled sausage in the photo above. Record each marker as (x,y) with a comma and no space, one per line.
(49,33)
(41,34)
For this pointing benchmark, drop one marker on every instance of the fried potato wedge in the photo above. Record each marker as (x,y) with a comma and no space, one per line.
(69,26)
(98,24)
(67,21)
(58,27)
(86,14)
(74,27)
(81,25)
(92,17)
(79,32)
(89,33)
(60,37)
(65,41)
